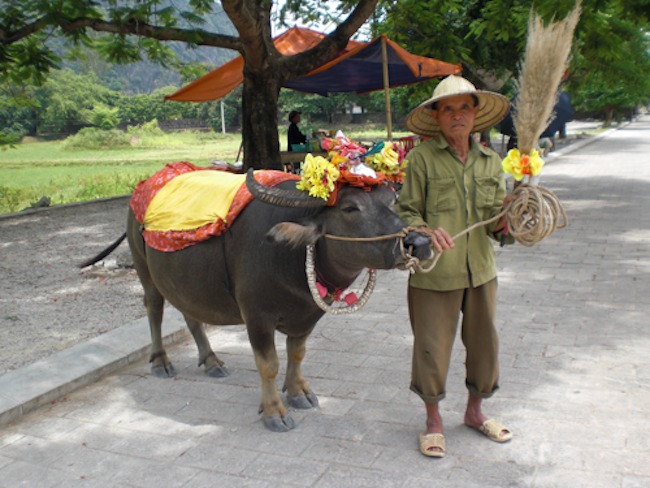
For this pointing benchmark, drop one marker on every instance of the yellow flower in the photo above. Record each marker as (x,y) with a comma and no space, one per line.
(337,159)
(386,161)
(536,163)
(318,177)
(518,164)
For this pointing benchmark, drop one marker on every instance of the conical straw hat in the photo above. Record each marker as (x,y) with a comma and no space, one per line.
(492,107)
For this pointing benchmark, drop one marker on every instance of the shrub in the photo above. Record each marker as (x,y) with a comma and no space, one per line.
(93,138)
(147,129)
(103,116)
(106,186)
(11,199)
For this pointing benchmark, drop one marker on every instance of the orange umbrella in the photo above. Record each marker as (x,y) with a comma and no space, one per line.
(361,67)
(221,81)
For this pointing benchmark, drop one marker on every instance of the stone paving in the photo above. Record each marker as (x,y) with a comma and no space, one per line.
(574,382)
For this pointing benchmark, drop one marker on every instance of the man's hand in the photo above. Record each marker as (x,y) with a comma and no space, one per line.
(501,224)
(440,238)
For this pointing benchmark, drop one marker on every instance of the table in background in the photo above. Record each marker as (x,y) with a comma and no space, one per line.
(291,160)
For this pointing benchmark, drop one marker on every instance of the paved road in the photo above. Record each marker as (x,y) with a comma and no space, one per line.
(574,385)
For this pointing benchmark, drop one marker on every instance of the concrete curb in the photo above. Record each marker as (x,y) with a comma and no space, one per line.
(25,389)
(579,144)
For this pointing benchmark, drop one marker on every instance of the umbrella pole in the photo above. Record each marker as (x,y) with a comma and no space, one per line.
(384,62)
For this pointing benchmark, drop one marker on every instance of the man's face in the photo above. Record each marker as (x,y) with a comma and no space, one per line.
(456,115)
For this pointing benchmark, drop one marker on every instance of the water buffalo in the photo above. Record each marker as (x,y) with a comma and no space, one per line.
(254,273)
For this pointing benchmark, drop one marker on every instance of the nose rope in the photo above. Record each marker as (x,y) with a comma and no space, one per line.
(397,235)
(533,215)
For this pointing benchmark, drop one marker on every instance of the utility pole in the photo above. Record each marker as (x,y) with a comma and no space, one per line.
(223,121)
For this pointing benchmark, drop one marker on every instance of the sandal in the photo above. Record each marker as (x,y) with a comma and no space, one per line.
(432,445)
(495,431)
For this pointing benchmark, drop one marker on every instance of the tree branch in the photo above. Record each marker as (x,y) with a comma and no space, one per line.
(135,27)
(331,44)
(25,31)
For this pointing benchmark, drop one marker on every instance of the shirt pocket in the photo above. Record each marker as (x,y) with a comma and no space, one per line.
(486,190)
(441,195)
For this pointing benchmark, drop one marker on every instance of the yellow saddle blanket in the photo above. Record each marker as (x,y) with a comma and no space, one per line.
(183,204)
(192,200)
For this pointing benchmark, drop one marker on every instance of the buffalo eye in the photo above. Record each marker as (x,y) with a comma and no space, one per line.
(350,209)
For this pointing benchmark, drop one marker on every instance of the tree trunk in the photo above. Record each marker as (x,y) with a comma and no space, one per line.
(609,115)
(260,120)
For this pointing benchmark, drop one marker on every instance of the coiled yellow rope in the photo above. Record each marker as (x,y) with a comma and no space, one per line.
(534,214)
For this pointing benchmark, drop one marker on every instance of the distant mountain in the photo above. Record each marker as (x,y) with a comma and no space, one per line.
(146,76)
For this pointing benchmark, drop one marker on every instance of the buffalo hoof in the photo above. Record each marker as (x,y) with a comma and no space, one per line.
(217,372)
(303,402)
(163,371)
(279,424)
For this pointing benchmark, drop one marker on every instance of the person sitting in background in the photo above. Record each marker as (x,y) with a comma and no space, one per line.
(294,136)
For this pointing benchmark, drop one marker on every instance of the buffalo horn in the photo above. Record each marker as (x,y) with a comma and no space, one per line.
(280,196)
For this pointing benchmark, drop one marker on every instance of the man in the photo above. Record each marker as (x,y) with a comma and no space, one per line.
(452,182)
(294,136)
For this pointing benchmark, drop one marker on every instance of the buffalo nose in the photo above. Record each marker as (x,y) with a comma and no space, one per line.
(421,244)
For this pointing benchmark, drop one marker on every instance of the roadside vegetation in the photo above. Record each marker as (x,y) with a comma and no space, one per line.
(88,166)
(97,163)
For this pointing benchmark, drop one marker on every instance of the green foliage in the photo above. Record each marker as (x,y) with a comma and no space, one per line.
(488,37)
(66,98)
(103,116)
(94,138)
(8,140)
(83,188)
(68,101)
(610,74)
(17,110)
(11,199)
(150,128)
(94,187)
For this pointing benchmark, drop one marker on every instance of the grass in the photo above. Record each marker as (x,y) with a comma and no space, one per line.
(35,169)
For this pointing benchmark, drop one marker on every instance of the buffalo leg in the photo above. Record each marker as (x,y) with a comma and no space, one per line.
(161,366)
(214,366)
(154,302)
(298,393)
(274,413)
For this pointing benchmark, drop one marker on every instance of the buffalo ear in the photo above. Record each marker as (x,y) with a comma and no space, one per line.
(294,234)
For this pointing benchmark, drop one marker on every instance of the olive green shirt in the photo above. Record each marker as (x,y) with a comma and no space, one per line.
(439,191)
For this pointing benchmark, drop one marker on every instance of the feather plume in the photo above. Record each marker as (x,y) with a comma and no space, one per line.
(545,61)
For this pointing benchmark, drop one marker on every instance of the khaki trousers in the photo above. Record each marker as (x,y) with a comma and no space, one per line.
(434,321)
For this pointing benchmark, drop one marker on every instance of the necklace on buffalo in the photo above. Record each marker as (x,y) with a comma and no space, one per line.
(319,293)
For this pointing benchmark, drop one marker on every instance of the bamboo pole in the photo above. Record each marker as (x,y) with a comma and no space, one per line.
(384,62)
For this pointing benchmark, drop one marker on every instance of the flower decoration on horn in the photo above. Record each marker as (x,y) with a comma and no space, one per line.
(521,165)
(319,176)
(350,162)
(388,158)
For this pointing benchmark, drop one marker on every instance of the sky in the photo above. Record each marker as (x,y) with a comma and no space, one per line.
(326,27)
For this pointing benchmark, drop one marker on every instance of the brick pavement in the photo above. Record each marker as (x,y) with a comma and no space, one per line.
(574,380)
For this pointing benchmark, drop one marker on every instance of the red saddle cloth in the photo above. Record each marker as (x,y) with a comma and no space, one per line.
(174,240)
